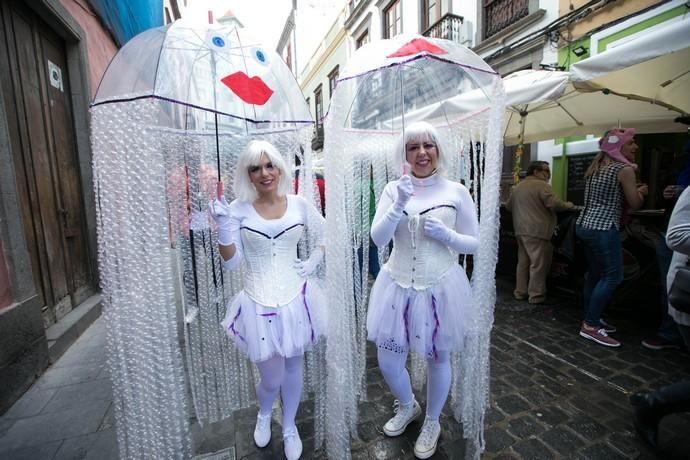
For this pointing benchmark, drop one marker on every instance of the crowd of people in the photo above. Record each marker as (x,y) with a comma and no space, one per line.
(419,299)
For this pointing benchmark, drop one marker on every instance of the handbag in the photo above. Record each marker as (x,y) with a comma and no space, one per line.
(679,294)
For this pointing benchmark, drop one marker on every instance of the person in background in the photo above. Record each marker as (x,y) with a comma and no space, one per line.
(610,183)
(651,407)
(280,313)
(420,300)
(667,335)
(533,206)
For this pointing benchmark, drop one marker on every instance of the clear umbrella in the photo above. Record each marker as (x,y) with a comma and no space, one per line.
(174,109)
(387,85)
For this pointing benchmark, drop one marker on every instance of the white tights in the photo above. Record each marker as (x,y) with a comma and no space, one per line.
(392,367)
(284,374)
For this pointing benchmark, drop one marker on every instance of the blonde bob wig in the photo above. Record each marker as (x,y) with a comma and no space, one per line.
(251,156)
(420,131)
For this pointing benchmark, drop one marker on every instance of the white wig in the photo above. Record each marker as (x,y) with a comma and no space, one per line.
(251,156)
(420,131)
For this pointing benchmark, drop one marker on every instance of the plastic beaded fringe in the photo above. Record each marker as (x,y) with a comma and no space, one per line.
(155,171)
(361,131)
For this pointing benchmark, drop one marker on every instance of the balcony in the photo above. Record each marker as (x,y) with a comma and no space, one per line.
(499,14)
(449,27)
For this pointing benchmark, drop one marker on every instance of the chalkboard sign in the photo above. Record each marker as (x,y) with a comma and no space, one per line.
(577,165)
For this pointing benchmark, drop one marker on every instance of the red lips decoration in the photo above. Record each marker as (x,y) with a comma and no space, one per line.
(415,46)
(251,90)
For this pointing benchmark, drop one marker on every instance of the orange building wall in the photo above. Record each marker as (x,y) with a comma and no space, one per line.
(99,45)
(601,17)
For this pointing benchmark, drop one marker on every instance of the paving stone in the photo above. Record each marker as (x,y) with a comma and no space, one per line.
(626,443)
(614,364)
(390,448)
(497,439)
(31,403)
(69,375)
(562,440)
(518,381)
(361,454)
(599,451)
(587,427)
(44,450)
(537,396)
(550,415)
(493,416)
(524,426)
(500,388)
(512,404)
(55,426)
(627,382)
(533,449)
(453,450)
(76,448)
(79,394)
(599,371)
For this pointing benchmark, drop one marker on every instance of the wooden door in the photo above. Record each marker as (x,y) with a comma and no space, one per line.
(35,88)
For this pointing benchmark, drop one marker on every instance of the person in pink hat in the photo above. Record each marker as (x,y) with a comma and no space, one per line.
(610,189)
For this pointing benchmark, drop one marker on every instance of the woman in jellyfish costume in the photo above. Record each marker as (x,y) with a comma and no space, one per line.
(280,313)
(419,299)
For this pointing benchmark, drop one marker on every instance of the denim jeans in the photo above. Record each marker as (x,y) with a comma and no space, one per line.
(604,252)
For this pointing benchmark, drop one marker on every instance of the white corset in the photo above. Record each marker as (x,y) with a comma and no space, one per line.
(418,261)
(270,278)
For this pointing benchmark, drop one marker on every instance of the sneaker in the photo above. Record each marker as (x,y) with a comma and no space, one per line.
(608,327)
(262,431)
(599,336)
(659,343)
(292,444)
(404,415)
(426,443)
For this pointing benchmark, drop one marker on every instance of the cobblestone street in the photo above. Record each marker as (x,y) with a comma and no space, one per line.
(553,395)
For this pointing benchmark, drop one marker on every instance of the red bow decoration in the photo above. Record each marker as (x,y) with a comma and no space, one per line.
(416,46)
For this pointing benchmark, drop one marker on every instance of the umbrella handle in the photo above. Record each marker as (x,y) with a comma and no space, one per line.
(219,189)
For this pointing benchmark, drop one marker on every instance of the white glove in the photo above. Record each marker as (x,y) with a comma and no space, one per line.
(436,229)
(405,192)
(306,268)
(219,209)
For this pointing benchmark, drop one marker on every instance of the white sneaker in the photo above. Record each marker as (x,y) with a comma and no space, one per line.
(426,443)
(404,415)
(292,444)
(262,431)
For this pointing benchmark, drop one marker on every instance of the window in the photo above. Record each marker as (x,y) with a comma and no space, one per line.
(318,106)
(433,11)
(288,56)
(362,40)
(392,19)
(332,79)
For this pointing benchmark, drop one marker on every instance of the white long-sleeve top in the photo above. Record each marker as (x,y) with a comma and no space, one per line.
(269,249)
(678,239)
(417,260)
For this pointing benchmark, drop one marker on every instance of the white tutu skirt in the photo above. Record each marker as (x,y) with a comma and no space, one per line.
(263,332)
(424,321)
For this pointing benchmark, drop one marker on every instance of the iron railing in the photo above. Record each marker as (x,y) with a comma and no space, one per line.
(448,27)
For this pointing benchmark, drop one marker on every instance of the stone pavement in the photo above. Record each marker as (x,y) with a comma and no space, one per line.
(67,413)
(553,395)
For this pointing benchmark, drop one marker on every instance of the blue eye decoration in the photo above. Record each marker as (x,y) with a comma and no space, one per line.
(260,56)
(218,41)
